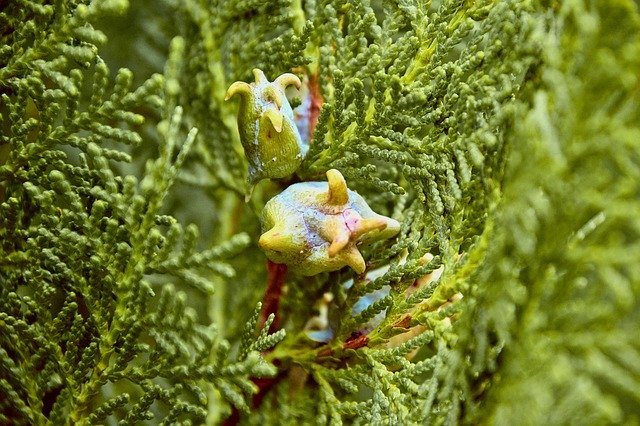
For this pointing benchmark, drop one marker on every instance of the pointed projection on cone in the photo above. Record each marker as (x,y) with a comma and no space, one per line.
(269,136)
(316,227)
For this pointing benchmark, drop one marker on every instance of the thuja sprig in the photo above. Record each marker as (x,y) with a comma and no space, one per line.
(83,245)
(403,115)
(500,135)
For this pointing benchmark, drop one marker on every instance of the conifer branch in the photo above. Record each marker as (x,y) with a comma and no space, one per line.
(500,138)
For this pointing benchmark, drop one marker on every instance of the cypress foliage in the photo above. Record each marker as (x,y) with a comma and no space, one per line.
(503,136)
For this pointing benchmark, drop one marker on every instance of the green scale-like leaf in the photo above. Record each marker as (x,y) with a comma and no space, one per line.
(501,136)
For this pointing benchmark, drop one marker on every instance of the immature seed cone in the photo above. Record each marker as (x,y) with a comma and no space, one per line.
(269,136)
(316,227)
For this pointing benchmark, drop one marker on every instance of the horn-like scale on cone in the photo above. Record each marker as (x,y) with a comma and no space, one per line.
(269,136)
(316,227)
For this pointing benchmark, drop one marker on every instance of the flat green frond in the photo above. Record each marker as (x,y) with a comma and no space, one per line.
(502,137)
(554,326)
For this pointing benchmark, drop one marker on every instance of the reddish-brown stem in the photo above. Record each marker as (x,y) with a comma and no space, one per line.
(271,300)
(316,103)
(270,304)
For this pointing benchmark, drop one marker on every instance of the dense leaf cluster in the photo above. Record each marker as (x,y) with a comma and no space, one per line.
(89,330)
(502,135)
